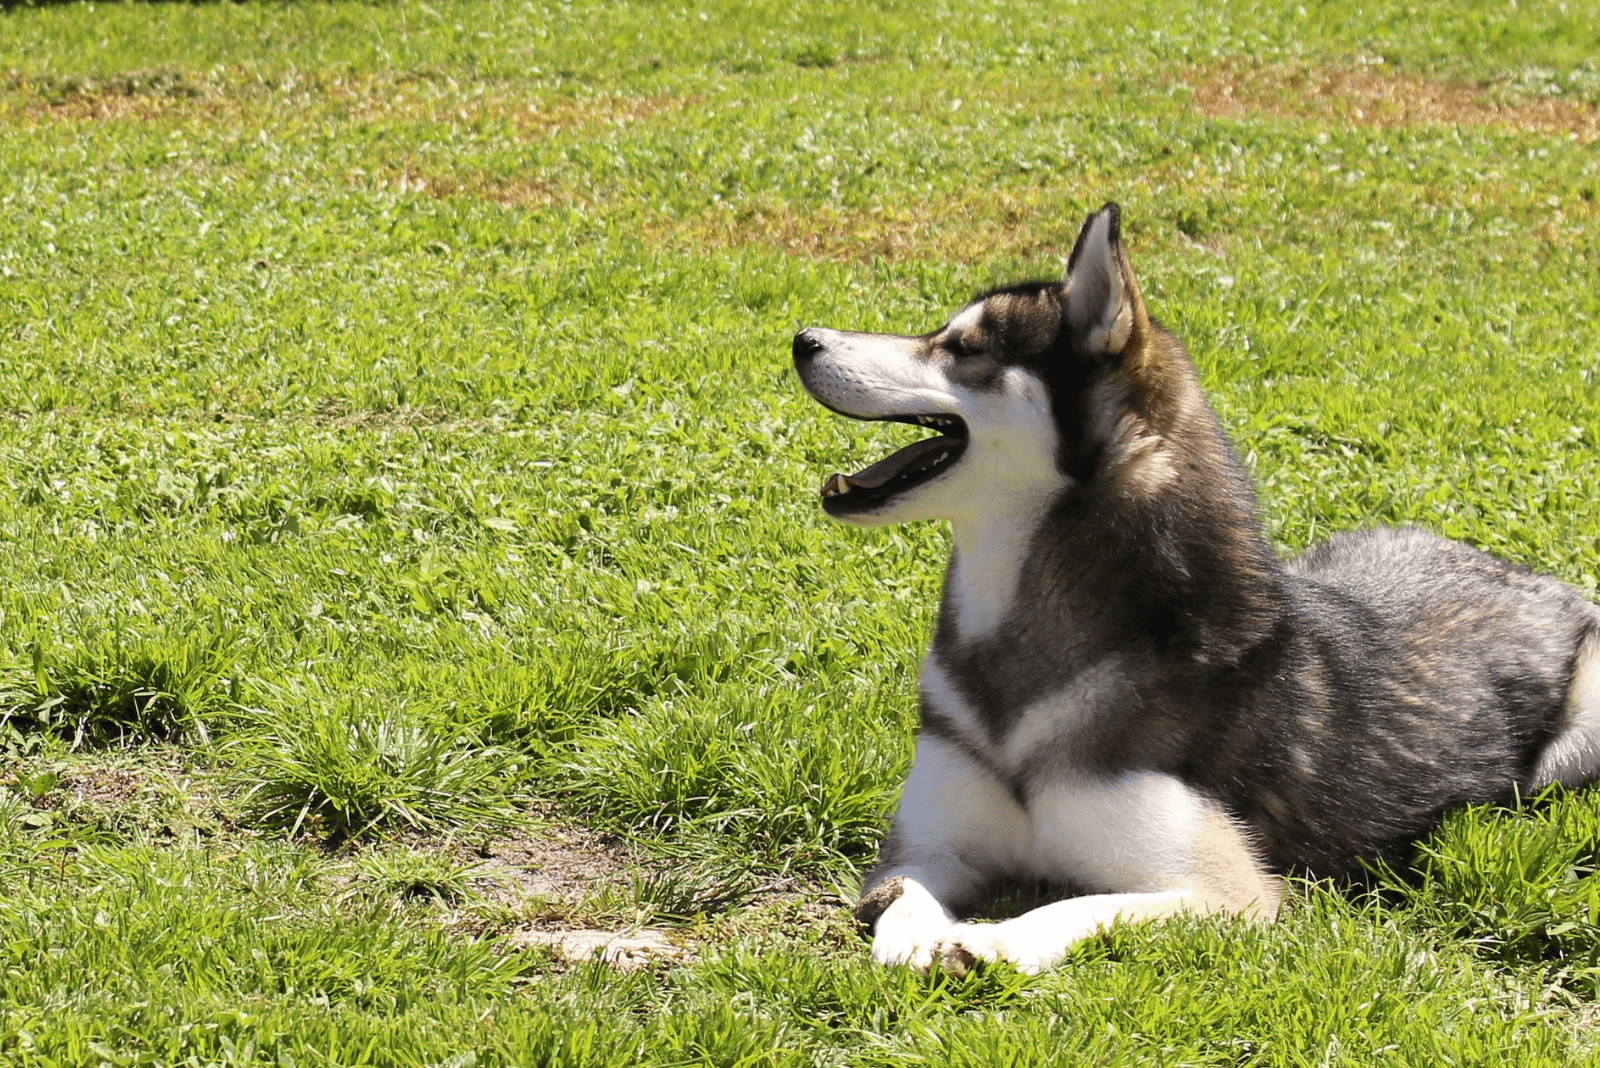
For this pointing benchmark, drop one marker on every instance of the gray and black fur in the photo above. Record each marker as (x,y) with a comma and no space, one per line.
(1337,704)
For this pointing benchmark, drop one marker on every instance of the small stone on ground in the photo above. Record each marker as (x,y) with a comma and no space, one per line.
(626,950)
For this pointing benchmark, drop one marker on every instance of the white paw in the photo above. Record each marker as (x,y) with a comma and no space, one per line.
(909,928)
(964,944)
(896,944)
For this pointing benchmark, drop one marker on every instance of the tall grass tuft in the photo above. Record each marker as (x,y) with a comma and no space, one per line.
(119,690)
(775,772)
(345,769)
(415,875)
(1519,885)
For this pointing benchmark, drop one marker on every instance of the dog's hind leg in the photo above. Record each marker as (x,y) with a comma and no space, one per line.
(956,827)
(1158,848)
(1573,756)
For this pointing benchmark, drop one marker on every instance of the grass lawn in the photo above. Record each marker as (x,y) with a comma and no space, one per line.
(410,529)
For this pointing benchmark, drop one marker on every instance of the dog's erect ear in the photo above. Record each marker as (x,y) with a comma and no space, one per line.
(1104,308)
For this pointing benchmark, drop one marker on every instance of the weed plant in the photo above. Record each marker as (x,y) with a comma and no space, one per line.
(788,771)
(398,431)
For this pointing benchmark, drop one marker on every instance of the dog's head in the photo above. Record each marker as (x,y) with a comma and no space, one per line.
(1032,389)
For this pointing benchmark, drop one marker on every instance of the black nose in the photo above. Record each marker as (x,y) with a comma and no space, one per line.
(806,345)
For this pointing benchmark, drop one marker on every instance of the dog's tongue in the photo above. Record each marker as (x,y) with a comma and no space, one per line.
(917,456)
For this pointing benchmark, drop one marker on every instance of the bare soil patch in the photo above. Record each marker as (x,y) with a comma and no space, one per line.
(556,863)
(556,876)
(108,787)
(160,799)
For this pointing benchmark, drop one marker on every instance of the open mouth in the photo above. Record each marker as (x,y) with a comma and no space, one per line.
(896,473)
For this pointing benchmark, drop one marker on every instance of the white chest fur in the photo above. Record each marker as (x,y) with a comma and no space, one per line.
(989,552)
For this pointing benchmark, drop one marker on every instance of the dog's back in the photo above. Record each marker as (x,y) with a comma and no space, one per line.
(1422,675)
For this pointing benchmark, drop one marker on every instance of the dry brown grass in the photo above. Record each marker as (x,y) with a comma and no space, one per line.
(1381,98)
(95,107)
(1023,217)
(529,118)
(29,112)
(960,227)
(966,226)
(139,96)
(155,95)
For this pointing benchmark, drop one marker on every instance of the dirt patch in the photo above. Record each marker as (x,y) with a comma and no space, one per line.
(1381,98)
(555,863)
(165,800)
(109,787)
(565,883)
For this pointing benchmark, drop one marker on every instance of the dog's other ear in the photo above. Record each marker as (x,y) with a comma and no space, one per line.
(1105,311)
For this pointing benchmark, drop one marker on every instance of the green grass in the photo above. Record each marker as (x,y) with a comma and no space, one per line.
(340,769)
(398,451)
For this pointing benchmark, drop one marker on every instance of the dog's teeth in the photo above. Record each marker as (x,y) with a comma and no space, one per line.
(837,484)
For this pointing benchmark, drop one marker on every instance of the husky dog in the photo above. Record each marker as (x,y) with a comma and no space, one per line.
(1128,690)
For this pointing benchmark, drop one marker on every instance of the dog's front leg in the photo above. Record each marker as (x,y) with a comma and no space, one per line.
(1037,939)
(906,919)
(1156,846)
(955,827)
